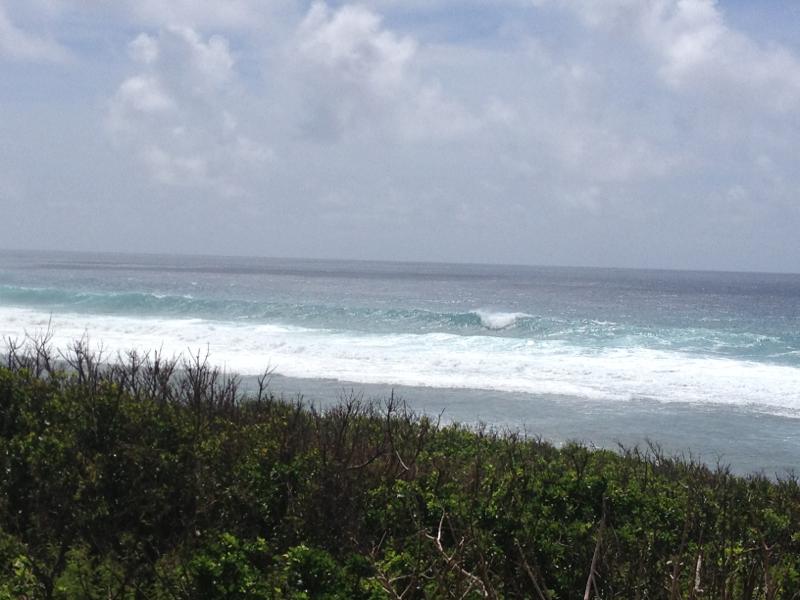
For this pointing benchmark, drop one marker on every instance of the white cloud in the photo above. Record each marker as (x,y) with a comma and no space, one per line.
(144,49)
(696,50)
(143,93)
(352,42)
(177,113)
(17,44)
(210,61)
(360,76)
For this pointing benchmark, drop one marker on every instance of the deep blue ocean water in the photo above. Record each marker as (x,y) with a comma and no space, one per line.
(700,362)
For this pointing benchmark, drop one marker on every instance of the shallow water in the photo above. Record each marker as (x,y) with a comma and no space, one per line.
(746,440)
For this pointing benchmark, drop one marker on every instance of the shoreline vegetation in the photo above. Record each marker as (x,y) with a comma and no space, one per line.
(151,477)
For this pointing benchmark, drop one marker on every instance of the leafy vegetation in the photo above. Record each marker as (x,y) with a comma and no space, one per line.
(149,478)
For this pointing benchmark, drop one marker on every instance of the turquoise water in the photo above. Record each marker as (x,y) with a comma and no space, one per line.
(711,353)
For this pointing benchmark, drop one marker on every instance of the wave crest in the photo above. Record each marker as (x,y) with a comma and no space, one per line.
(500,320)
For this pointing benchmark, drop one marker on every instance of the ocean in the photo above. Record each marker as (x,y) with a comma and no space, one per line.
(701,363)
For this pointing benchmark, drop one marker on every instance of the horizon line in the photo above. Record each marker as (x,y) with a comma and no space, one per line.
(397,261)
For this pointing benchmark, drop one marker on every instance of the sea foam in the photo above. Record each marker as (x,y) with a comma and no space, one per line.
(438,359)
(500,320)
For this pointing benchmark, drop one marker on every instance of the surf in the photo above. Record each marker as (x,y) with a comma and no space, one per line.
(436,360)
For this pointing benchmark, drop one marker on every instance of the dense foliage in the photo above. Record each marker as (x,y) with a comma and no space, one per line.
(152,479)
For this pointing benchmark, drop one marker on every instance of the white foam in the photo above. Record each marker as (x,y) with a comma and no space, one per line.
(438,359)
(499,320)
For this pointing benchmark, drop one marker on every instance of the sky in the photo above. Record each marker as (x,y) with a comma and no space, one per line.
(624,133)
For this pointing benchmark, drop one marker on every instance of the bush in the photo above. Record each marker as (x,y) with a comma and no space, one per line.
(152,478)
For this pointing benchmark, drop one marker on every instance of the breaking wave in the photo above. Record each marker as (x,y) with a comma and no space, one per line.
(590,334)
(500,320)
(439,359)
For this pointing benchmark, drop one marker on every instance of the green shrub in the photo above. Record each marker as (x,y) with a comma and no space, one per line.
(152,479)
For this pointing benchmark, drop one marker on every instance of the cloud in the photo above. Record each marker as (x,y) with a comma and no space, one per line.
(210,61)
(177,113)
(144,94)
(696,50)
(144,49)
(171,168)
(17,44)
(555,131)
(358,75)
(352,42)
(199,14)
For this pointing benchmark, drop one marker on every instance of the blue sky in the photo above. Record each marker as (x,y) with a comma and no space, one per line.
(643,133)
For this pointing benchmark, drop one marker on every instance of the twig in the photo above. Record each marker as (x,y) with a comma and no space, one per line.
(697,589)
(590,581)
(453,563)
(529,571)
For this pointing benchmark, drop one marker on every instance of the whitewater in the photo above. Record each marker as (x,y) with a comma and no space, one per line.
(433,359)
(713,350)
